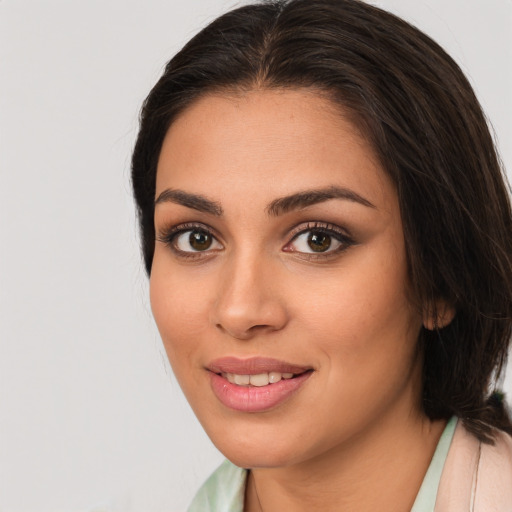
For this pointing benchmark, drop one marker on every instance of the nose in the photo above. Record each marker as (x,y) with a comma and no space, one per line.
(249,301)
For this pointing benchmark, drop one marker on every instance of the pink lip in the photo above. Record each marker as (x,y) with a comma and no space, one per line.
(253,366)
(252,398)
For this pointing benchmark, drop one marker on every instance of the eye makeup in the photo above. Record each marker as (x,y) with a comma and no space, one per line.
(324,240)
(190,240)
(313,240)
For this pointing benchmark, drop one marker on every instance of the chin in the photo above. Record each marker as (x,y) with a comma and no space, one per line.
(258,457)
(258,447)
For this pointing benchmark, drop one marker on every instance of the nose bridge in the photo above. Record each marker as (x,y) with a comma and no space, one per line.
(247,302)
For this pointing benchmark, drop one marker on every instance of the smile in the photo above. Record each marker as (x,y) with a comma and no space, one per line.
(258,380)
(256,384)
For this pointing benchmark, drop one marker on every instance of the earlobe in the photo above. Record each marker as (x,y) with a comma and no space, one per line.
(438,316)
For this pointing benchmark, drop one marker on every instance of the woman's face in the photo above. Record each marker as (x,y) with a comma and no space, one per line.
(280,251)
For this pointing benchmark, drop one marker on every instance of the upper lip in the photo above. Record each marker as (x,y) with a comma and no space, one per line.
(254,366)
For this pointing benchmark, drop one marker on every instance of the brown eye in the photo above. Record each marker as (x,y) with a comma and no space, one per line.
(200,240)
(194,241)
(318,241)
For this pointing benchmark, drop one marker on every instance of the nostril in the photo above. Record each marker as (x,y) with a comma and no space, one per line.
(244,315)
(241,333)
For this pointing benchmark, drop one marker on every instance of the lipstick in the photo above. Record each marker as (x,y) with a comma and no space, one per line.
(256,384)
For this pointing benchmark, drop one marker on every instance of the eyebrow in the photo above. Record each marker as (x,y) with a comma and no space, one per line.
(279,206)
(307,198)
(194,201)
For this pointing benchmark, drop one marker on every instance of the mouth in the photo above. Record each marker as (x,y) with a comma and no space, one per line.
(257,380)
(255,366)
(255,384)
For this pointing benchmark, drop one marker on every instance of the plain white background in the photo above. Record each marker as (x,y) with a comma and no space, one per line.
(91,418)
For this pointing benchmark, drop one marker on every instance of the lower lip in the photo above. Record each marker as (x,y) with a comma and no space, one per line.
(253,398)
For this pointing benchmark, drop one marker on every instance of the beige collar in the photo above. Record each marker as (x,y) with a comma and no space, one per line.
(476,477)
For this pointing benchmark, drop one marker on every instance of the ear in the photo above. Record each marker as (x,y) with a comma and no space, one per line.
(438,315)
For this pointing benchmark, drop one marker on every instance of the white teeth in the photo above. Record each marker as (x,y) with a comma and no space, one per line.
(259,380)
(241,380)
(274,377)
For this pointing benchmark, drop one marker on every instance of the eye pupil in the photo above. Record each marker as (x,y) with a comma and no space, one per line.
(319,242)
(200,240)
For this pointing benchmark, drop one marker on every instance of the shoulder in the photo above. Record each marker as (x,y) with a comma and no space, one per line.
(476,476)
(223,491)
(494,479)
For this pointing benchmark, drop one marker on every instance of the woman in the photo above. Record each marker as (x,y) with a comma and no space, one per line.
(327,233)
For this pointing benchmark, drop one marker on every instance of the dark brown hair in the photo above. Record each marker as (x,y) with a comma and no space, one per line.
(415,106)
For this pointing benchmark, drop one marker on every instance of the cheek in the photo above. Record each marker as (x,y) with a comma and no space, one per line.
(180,311)
(364,296)
(363,322)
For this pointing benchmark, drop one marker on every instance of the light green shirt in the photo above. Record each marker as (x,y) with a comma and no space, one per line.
(224,491)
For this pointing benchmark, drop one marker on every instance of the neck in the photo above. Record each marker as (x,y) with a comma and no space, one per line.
(378,469)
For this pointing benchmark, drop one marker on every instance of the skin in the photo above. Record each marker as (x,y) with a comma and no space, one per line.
(354,437)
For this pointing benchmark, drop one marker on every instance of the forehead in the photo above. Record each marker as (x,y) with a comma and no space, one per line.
(268,142)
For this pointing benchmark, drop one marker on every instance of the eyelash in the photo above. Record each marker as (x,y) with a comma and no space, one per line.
(340,235)
(169,237)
